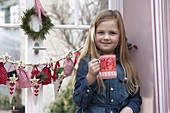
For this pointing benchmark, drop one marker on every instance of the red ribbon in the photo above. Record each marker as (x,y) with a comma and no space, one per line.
(39,9)
(55,70)
(76,57)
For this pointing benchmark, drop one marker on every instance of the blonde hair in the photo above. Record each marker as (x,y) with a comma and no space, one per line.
(122,49)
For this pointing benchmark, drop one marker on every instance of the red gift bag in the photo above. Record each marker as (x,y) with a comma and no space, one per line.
(3,74)
(23,81)
(35,72)
(46,70)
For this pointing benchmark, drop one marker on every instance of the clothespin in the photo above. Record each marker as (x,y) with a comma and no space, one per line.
(6,58)
(69,55)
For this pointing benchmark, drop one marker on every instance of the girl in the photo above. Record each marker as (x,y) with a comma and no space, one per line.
(117,95)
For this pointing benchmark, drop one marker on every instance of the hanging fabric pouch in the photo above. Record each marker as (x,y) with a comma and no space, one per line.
(46,70)
(35,72)
(23,81)
(68,67)
(3,74)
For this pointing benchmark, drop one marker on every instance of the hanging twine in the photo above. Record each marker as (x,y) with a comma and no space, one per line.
(6,58)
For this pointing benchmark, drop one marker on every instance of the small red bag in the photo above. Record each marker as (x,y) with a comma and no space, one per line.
(46,70)
(3,74)
(23,81)
(35,72)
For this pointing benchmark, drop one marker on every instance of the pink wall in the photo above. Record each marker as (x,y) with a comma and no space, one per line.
(137,17)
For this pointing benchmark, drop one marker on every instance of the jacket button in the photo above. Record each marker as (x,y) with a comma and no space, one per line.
(88,90)
(112,100)
(111,89)
(111,111)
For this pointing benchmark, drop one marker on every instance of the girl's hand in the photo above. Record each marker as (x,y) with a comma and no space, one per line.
(93,70)
(127,110)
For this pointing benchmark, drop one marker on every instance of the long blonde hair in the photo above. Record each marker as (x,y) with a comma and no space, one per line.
(122,49)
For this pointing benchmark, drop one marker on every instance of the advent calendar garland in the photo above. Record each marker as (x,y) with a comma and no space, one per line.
(46,25)
(39,76)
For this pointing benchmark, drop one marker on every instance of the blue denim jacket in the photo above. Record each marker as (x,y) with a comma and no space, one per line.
(111,100)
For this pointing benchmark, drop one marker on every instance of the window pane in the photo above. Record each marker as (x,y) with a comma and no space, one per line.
(10,42)
(61,41)
(63,12)
(89,8)
(9,11)
(10,45)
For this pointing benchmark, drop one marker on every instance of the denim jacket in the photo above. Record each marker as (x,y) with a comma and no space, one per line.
(112,100)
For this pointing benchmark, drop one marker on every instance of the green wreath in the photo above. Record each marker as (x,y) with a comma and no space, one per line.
(46,25)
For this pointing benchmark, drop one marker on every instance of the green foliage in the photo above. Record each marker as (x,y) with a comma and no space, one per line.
(64,102)
(42,76)
(46,25)
(16,101)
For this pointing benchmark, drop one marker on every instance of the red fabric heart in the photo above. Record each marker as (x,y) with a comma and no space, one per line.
(11,89)
(11,84)
(36,86)
(36,91)
(36,94)
(11,93)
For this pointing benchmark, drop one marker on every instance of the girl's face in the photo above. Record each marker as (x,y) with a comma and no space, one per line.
(107,36)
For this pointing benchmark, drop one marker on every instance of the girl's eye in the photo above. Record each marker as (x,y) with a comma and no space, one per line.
(112,33)
(100,32)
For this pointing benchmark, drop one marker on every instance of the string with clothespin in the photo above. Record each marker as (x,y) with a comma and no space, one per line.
(68,54)
(7,58)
